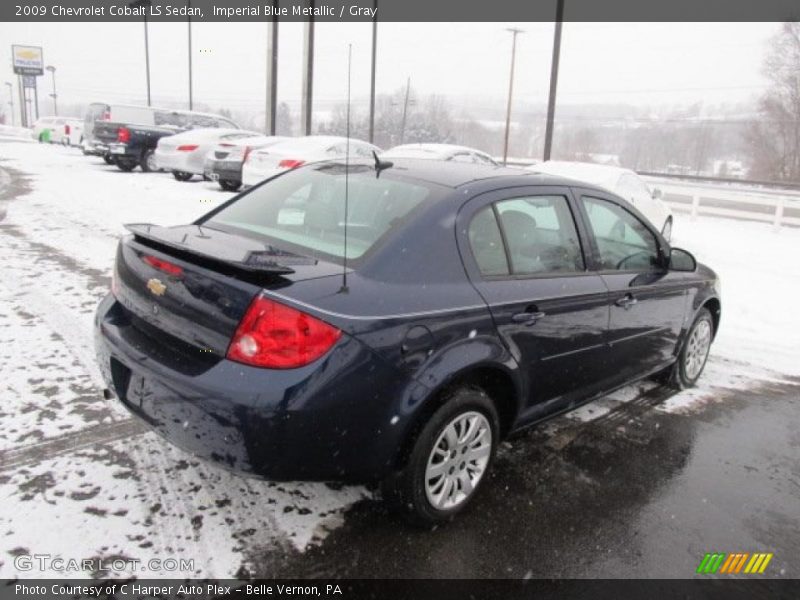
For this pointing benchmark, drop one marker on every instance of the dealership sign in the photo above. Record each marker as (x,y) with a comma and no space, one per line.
(27,60)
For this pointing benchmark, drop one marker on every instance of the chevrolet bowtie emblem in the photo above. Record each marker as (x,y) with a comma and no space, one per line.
(156,287)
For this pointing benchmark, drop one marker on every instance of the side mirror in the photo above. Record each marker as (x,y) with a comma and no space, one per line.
(657,194)
(681,260)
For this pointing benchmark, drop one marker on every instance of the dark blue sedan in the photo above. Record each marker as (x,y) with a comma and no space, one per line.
(394,322)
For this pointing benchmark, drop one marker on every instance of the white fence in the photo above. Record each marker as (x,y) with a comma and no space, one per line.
(779,207)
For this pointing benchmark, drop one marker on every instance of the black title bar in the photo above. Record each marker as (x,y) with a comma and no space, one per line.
(398,10)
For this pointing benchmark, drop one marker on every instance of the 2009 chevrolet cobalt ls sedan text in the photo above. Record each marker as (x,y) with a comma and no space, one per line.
(477,300)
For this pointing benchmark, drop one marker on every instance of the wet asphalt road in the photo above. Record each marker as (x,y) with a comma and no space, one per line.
(636,493)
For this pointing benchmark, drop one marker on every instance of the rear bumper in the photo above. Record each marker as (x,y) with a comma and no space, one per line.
(223,170)
(122,150)
(95,148)
(294,424)
(179,161)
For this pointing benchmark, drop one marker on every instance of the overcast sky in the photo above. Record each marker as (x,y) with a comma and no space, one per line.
(638,63)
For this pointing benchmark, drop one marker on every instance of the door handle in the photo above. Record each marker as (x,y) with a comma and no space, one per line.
(626,301)
(529,317)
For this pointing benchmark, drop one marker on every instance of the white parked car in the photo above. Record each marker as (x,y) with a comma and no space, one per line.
(184,153)
(70,133)
(45,127)
(622,182)
(440,152)
(270,161)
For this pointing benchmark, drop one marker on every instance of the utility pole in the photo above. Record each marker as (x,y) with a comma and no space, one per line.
(514,33)
(22,102)
(147,58)
(146,4)
(54,96)
(189,23)
(308,74)
(551,101)
(36,96)
(405,111)
(372,73)
(271,116)
(11,100)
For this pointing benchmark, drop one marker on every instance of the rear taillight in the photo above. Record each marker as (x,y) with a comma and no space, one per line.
(290,163)
(163,265)
(275,336)
(187,148)
(123,135)
(66,129)
(223,145)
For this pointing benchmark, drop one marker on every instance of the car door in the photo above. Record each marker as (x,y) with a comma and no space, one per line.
(646,303)
(523,254)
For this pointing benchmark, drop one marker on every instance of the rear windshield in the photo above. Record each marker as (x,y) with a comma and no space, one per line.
(303,211)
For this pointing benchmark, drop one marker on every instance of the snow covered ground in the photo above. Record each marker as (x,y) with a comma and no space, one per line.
(81,480)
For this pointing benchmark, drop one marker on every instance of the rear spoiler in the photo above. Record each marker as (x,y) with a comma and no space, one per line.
(234,251)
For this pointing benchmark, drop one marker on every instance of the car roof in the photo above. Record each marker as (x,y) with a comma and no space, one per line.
(258,140)
(439,149)
(211,133)
(312,143)
(457,174)
(605,175)
(161,109)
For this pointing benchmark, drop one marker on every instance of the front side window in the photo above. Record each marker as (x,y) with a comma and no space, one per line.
(623,241)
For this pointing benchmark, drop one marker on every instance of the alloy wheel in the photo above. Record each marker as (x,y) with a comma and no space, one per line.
(458,460)
(697,349)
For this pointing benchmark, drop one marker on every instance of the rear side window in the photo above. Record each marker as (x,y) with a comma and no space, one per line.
(304,210)
(487,243)
(541,235)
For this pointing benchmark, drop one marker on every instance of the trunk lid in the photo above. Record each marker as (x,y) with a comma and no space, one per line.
(194,283)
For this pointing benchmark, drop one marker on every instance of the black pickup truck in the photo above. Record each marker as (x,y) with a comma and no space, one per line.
(130,139)
(131,145)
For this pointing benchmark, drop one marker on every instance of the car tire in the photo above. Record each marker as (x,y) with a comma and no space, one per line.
(230,186)
(694,352)
(148,162)
(447,458)
(666,230)
(109,160)
(182,175)
(126,164)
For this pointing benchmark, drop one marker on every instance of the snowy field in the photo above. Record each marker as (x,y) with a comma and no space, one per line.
(81,480)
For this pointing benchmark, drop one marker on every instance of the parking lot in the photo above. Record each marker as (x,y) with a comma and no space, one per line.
(640,484)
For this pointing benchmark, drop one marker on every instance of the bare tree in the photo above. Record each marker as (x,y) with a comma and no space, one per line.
(774,141)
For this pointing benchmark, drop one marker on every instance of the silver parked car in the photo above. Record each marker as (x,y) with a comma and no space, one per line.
(184,153)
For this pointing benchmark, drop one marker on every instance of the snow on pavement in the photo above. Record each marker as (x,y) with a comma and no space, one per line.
(130,496)
(79,463)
